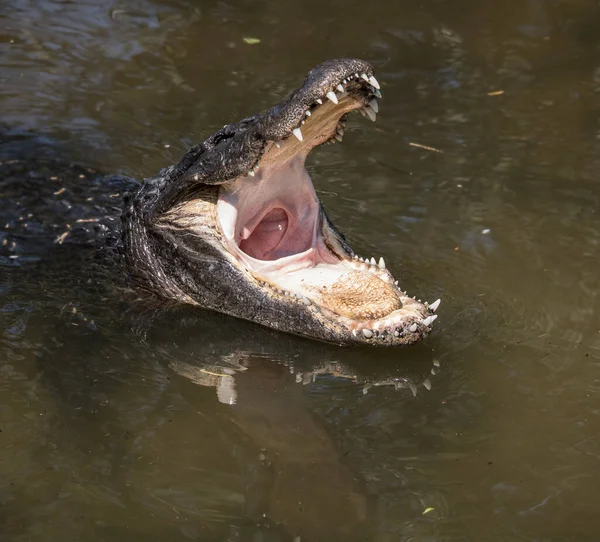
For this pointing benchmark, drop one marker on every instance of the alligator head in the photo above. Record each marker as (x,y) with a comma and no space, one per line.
(237,227)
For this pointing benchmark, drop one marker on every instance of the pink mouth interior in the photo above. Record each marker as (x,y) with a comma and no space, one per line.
(265,242)
(274,237)
(272,220)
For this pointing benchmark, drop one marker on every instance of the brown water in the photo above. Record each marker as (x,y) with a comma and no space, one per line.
(115,427)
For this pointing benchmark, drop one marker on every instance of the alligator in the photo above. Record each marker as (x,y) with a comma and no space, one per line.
(236,226)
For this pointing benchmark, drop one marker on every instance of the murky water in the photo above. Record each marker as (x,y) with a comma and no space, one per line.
(478,184)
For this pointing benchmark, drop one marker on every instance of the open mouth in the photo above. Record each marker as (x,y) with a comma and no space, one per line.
(272,223)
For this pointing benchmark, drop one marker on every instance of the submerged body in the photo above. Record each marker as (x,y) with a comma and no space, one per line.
(237,227)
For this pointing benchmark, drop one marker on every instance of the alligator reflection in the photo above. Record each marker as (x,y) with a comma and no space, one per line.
(300,479)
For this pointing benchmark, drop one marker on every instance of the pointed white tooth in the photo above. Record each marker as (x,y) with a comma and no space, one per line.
(361,259)
(341,130)
(367,333)
(435,305)
(308,113)
(377,93)
(412,328)
(374,82)
(297,133)
(251,173)
(396,282)
(340,88)
(373,261)
(344,81)
(382,263)
(331,95)
(356,75)
(362,112)
(319,101)
(433,318)
(306,301)
(302,122)
(370,113)
(338,137)
(396,334)
(277,144)
(364,76)
(374,105)
(427,321)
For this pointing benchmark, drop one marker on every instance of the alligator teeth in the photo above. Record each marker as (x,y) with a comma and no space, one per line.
(344,81)
(340,130)
(374,105)
(382,263)
(362,112)
(373,262)
(319,101)
(307,113)
(251,173)
(364,76)
(377,93)
(433,307)
(370,113)
(277,144)
(331,95)
(306,301)
(338,137)
(427,321)
(297,133)
(396,282)
(374,82)
(367,333)
(413,328)
(340,88)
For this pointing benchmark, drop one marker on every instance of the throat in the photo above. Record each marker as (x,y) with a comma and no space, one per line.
(273,215)
(264,242)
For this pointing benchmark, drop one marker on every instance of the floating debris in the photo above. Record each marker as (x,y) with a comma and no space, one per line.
(496,93)
(426,147)
(251,41)
(427,510)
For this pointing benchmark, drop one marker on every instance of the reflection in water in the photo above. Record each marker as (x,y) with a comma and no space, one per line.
(105,432)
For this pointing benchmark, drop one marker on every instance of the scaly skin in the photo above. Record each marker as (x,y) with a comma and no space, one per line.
(193,265)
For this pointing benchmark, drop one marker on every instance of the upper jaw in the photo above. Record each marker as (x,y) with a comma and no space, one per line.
(313,115)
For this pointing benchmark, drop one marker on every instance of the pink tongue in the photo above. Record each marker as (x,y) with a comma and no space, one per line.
(266,236)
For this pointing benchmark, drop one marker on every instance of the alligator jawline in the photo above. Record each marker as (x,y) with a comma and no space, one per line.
(271,223)
(237,227)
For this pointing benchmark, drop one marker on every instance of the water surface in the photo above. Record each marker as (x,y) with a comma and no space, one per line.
(478,184)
